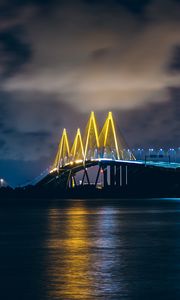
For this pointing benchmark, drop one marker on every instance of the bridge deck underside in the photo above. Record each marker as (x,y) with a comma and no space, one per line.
(109,174)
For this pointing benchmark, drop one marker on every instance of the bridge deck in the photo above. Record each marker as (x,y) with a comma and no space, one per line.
(168,165)
(137,175)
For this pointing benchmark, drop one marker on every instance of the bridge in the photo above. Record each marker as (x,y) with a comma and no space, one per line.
(92,158)
(93,145)
(100,159)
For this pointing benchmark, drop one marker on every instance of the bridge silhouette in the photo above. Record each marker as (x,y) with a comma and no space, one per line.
(100,159)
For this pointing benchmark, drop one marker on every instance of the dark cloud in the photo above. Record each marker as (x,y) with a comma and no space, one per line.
(174,65)
(154,125)
(100,54)
(33,131)
(135,6)
(14,52)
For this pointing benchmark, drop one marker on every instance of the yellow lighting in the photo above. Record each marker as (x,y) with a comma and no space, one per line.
(92,127)
(53,170)
(77,148)
(78,161)
(109,123)
(84,149)
(71,279)
(63,149)
(114,133)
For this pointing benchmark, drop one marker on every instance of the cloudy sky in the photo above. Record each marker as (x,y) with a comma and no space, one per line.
(61,59)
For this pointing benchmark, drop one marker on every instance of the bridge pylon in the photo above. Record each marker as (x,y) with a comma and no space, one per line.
(91,138)
(77,150)
(63,152)
(109,144)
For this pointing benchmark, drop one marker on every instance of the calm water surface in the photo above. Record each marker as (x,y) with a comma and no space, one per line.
(83,249)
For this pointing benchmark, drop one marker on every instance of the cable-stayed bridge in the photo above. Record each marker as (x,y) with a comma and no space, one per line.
(93,145)
(100,159)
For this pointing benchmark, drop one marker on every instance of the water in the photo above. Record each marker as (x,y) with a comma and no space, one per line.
(90,250)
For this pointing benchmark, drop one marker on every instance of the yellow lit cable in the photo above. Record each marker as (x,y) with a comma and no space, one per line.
(81,143)
(106,132)
(74,146)
(87,140)
(57,159)
(78,139)
(95,129)
(91,125)
(67,142)
(114,134)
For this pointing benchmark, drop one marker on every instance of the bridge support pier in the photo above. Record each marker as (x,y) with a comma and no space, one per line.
(108,175)
(85,175)
(72,181)
(112,175)
(117,175)
(105,177)
(126,174)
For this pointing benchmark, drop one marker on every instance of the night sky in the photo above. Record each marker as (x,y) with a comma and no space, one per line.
(61,59)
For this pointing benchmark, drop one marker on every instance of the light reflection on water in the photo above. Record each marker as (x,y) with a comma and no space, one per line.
(81,265)
(69,258)
(90,250)
(98,252)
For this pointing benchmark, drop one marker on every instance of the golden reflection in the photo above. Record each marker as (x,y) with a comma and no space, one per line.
(69,254)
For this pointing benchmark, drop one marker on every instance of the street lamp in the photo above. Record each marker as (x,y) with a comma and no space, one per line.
(1,182)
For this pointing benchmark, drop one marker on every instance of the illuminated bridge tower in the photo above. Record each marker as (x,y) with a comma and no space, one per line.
(77,151)
(63,153)
(109,144)
(96,159)
(91,138)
